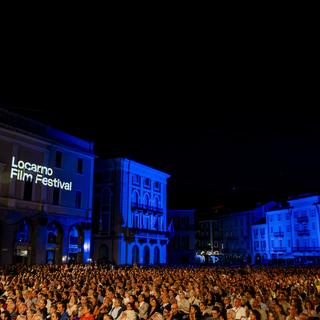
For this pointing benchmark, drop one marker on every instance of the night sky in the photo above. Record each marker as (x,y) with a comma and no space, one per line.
(215,148)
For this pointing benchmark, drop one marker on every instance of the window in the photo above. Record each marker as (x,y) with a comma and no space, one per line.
(147,183)
(256,245)
(52,234)
(80,165)
(255,232)
(136,180)
(78,199)
(73,237)
(58,159)
(156,186)
(23,232)
(56,196)
(27,195)
(135,223)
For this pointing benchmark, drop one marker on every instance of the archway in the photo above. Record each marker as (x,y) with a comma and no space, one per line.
(156,255)
(146,255)
(54,243)
(103,255)
(135,255)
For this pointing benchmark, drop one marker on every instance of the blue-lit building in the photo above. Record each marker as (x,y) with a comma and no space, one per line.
(289,232)
(181,247)
(130,214)
(46,193)
(227,235)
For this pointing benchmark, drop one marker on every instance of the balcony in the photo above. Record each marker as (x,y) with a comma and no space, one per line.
(278,234)
(305,233)
(145,208)
(303,219)
(136,231)
(306,249)
(279,249)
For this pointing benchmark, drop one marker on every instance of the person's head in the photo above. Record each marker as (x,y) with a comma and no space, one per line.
(5,315)
(231,314)
(303,316)
(61,307)
(254,315)
(129,306)
(215,312)
(293,311)
(202,306)
(226,300)
(55,316)
(117,302)
(237,302)
(174,308)
(272,316)
(167,311)
(153,302)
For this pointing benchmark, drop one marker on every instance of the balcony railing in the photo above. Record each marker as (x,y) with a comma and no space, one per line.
(305,249)
(145,208)
(134,231)
(279,249)
(303,233)
(278,234)
(303,219)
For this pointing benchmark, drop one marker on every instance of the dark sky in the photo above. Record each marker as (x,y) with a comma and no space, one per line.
(214,154)
(231,115)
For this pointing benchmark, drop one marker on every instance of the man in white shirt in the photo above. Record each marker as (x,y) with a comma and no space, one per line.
(240,312)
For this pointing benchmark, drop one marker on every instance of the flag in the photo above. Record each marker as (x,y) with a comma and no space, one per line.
(171,229)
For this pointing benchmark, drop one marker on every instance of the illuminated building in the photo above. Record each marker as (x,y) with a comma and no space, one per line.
(228,235)
(181,247)
(46,184)
(290,232)
(130,214)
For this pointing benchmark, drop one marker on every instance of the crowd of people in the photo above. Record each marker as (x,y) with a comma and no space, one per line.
(92,292)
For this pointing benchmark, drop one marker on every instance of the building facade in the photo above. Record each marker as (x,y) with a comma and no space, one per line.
(46,184)
(181,247)
(291,232)
(130,214)
(228,235)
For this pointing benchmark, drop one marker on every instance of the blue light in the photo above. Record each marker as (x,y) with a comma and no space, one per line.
(86,246)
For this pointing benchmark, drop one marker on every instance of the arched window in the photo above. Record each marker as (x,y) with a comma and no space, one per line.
(146,200)
(156,255)
(135,254)
(73,236)
(52,233)
(146,255)
(135,198)
(23,234)
(135,222)
(156,202)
